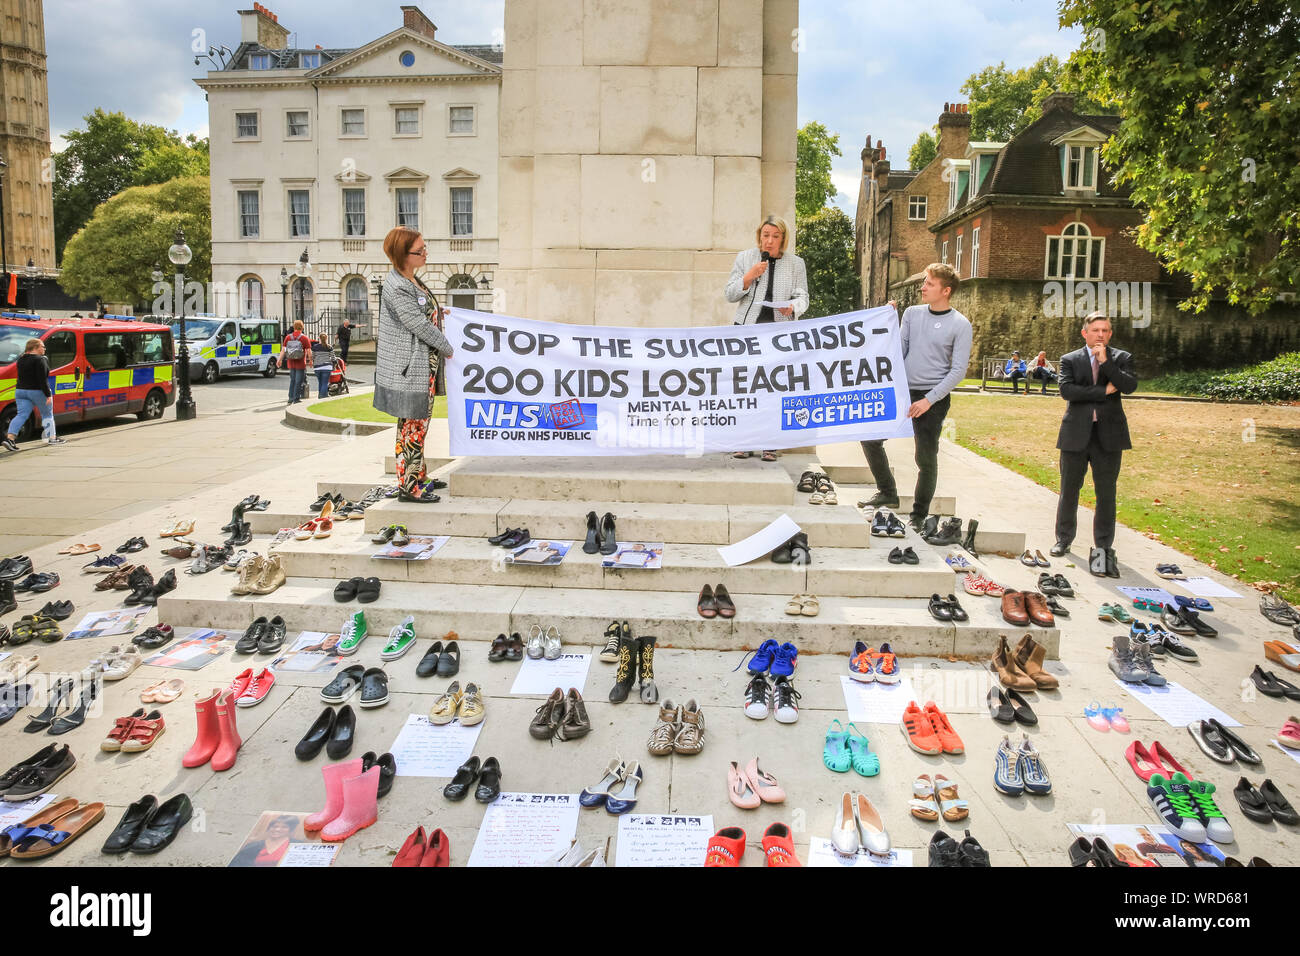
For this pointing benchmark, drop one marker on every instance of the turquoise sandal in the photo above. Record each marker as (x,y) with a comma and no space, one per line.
(865,763)
(836,754)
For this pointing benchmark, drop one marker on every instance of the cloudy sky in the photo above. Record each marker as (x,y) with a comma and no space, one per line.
(882,68)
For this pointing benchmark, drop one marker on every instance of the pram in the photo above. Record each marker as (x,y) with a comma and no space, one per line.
(338,378)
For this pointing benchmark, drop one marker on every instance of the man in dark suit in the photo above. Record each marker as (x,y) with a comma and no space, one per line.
(1094,431)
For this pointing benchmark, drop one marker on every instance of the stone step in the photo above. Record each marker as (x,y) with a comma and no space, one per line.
(480,612)
(711,480)
(848,572)
(990,540)
(826,526)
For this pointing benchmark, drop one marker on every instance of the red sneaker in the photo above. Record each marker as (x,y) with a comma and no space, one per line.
(240,684)
(778,847)
(726,847)
(256,689)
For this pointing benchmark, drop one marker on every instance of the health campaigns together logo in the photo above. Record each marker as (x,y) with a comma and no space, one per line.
(828,409)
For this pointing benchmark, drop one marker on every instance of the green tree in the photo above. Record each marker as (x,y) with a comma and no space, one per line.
(112,257)
(1003,102)
(1208,144)
(813,188)
(173,161)
(826,247)
(100,161)
(923,151)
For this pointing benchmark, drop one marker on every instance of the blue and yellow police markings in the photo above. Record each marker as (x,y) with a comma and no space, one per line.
(239,351)
(127,377)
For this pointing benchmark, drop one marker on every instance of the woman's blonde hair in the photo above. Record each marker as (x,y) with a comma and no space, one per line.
(780,224)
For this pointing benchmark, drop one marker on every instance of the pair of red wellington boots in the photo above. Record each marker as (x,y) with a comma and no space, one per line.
(218,738)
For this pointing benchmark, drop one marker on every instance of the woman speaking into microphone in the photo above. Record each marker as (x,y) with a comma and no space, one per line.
(768,273)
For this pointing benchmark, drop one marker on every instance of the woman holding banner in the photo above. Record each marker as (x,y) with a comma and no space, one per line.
(406,359)
(768,284)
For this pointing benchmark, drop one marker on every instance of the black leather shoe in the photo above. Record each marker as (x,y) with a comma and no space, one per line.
(896,556)
(467,773)
(387,770)
(449,660)
(520,537)
(1060,548)
(316,736)
(437,484)
(608,536)
(489,784)
(13,568)
(592,544)
(1112,564)
(499,538)
(1000,708)
(1020,709)
(1097,562)
(343,734)
(428,665)
(910,557)
(163,825)
(59,610)
(881,499)
(133,821)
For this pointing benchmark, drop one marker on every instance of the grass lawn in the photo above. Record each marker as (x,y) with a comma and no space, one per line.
(1218,482)
(359,408)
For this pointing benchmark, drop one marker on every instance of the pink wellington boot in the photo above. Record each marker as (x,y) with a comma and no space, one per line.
(360,807)
(209,736)
(224,758)
(334,774)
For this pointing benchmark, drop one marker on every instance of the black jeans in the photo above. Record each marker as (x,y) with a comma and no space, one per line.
(1016,376)
(343,350)
(926,429)
(1105,474)
(1044,375)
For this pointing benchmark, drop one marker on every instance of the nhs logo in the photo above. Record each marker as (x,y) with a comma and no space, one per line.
(481,413)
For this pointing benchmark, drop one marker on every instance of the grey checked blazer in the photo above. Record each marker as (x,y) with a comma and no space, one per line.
(406,336)
(789,284)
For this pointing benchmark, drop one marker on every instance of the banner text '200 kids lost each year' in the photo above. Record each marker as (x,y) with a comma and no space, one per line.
(520,387)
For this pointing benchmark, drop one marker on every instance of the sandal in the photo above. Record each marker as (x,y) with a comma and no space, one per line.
(305,530)
(829,497)
(47,838)
(368,592)
(807,482)
(794,606)
(1114,717)
(835,753)
(80,549)
(816,498)
(179,529)
(742,454)
(1095,719)
(811,606)
(769,456)
(923,805)
(951,806)
(863,761)
(323,528)
(1144,604)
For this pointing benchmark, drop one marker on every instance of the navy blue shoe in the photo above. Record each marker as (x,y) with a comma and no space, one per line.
(595,795)
(626,798)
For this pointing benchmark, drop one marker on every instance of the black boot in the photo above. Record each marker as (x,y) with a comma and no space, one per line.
(930,527)
(1097,562)
(950,533)
(646,665)
(629,652)
(592,544)
(1112,564)
(236,517)
(969,542)
(7,600)
(141,584)
(608,535)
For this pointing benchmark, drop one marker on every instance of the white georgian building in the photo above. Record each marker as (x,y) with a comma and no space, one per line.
(325,150)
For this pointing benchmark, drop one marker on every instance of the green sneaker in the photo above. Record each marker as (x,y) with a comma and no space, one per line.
(354,632)
(400,640)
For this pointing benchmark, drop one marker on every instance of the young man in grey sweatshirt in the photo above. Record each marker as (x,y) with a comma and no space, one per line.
(936,350)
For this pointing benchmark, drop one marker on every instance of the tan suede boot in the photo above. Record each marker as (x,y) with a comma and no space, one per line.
(1029,657)
(1004,664)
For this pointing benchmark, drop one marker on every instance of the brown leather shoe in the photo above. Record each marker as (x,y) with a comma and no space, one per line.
(1004,664)
(1037,610)
(574,723)
(115,580)
(1013,608)
(1029,658)
(548,716)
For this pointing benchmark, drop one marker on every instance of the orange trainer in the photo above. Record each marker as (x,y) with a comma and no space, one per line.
(919,732)
(948,738)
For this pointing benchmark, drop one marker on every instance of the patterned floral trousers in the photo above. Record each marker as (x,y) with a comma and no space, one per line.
(411,432)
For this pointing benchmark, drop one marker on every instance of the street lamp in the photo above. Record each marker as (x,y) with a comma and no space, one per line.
(304,270)
(284,298)
(180,256)
(31,285)
(377,281)
(4,246)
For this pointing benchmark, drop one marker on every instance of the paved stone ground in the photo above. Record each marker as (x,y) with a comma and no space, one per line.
(161,471)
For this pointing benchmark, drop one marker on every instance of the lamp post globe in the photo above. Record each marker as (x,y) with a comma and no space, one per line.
(180,256)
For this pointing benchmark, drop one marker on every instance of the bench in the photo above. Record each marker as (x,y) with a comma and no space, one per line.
(992,379)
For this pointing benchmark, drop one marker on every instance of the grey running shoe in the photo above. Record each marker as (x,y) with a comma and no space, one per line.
(1122,663)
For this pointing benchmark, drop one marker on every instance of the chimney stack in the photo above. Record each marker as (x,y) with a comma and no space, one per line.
(1058,101)
(954,131)
(414,19)
(259,25)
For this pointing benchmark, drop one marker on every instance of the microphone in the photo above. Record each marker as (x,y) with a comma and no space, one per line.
(766,256)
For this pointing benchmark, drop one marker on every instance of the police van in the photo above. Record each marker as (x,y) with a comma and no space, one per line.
(98,367)
(220,346)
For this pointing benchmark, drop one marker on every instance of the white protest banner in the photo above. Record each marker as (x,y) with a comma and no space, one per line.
(519,387)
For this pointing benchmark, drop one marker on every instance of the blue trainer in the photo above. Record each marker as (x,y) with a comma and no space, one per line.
(762,658)
(787,656)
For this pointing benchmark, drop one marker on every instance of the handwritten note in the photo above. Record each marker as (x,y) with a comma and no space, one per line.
(876,703)
(679,839)
(1208,588)
(525,829)
(1176,705)
(424,749)
(543,676)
